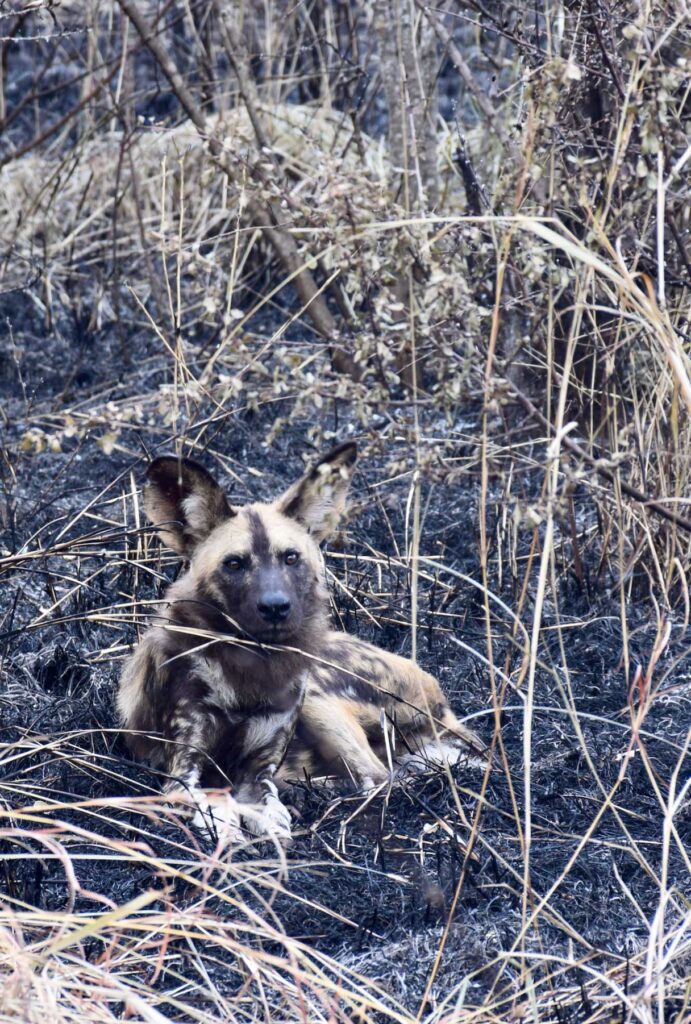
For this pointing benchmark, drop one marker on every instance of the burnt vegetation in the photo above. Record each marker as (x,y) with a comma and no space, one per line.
(458,233)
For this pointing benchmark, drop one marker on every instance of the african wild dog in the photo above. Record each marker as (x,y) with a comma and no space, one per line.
(242,678)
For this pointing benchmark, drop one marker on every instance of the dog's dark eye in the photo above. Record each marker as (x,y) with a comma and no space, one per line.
(233,563)
(291,557)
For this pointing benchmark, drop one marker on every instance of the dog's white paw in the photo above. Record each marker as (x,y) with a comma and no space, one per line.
(218,816)
(438,753)
(270,818)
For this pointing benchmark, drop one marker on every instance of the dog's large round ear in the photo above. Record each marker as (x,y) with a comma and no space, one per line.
(317,499)
(184,502)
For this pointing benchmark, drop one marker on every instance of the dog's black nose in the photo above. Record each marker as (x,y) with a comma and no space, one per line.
(273,607)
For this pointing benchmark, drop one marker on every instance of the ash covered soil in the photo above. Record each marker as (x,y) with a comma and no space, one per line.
(376,883)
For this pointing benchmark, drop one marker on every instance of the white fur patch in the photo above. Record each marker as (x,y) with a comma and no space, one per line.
(211,672)
(270,786)
(262,728)
(196,510)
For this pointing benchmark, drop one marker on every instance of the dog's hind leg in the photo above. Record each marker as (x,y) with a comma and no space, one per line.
(329,725)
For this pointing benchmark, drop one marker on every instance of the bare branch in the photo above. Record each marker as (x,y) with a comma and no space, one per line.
(266,215)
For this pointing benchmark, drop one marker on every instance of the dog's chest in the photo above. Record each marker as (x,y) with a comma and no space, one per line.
(254,718)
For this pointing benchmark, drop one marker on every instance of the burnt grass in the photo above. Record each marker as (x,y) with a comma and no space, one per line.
(382,880)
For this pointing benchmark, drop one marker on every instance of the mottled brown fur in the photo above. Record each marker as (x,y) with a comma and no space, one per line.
(240,676)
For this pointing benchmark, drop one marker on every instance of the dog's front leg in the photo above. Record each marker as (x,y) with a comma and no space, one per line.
(191,734)
(265,814)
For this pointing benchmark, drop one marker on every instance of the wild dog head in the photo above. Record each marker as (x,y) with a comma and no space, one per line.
(253,570)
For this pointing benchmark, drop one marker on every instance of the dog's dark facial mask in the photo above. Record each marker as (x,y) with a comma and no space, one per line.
(255,570)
